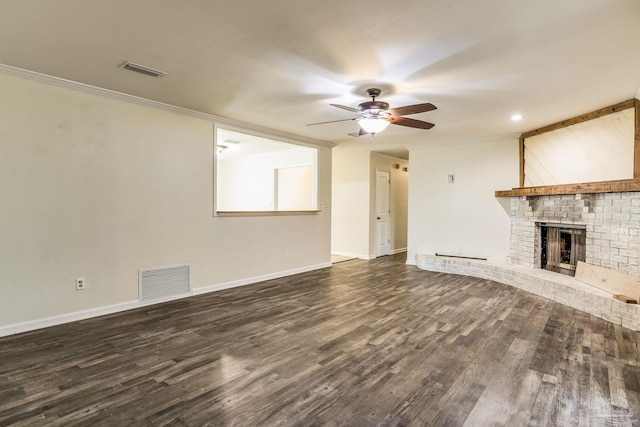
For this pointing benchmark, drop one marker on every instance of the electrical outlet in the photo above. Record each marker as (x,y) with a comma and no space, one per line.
(81,284)
(285,254)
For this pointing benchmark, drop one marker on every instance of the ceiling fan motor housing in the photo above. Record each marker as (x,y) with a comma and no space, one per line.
(373,107)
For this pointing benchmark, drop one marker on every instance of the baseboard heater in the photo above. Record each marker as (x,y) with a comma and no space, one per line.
(460,256)
(164,282)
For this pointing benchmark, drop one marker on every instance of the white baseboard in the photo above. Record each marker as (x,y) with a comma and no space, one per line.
(366,256)
(352,255)
(257,279)
(46,322)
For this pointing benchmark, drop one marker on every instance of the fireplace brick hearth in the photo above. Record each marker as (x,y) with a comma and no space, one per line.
(554,286)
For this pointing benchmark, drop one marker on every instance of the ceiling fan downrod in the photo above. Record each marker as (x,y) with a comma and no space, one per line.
(373,107)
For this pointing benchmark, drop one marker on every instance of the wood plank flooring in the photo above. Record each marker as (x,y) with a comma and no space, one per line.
(363,343)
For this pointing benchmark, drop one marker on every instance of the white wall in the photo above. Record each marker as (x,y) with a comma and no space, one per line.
(350,204)
(463,218)
(96,187)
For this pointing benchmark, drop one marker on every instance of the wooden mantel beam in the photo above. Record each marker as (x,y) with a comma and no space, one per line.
(621,186)
(521,161)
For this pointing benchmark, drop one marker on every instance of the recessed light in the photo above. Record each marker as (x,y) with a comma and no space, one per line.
(516,117)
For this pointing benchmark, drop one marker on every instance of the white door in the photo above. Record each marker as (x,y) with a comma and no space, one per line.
(383,227)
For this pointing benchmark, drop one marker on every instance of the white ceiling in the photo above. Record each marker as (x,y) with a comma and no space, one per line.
(280,63)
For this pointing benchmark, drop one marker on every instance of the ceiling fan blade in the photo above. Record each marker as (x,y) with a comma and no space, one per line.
(412,123)
(412,109)
(332,121)
(344,107)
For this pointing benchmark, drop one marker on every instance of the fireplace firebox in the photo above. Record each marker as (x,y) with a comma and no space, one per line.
(562,246)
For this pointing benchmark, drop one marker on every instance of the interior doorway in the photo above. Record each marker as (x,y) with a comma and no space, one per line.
(356,204)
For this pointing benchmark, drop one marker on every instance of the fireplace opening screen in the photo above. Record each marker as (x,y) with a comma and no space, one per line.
(565,247)
(562,247)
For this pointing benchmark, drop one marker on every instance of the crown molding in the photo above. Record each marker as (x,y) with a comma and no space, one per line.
(120,96)
(387,156)
(461,142)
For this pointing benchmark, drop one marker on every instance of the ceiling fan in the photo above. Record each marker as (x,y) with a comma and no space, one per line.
(375,116)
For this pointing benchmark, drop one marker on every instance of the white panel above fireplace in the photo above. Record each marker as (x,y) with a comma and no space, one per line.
(595,150)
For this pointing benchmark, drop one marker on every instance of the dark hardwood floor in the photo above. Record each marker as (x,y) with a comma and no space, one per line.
(363,343)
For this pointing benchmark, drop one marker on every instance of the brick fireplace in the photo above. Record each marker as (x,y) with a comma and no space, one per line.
(611,222)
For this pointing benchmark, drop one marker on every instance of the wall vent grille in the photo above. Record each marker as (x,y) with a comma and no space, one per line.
(164,282)
(142,69)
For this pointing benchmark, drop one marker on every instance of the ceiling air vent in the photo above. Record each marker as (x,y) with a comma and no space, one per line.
(142,69)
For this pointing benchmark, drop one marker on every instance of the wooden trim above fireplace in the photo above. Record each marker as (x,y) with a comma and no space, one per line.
(636,138)
(621,186)
(630,103)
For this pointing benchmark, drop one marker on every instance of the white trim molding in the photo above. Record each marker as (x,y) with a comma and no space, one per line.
(120,96)
(257,279)
(46,322)
(462,142)
(352,255)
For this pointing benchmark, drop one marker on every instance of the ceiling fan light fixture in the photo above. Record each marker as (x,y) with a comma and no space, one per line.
(373,125)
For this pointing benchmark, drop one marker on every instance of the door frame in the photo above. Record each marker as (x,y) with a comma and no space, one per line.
(379,248)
